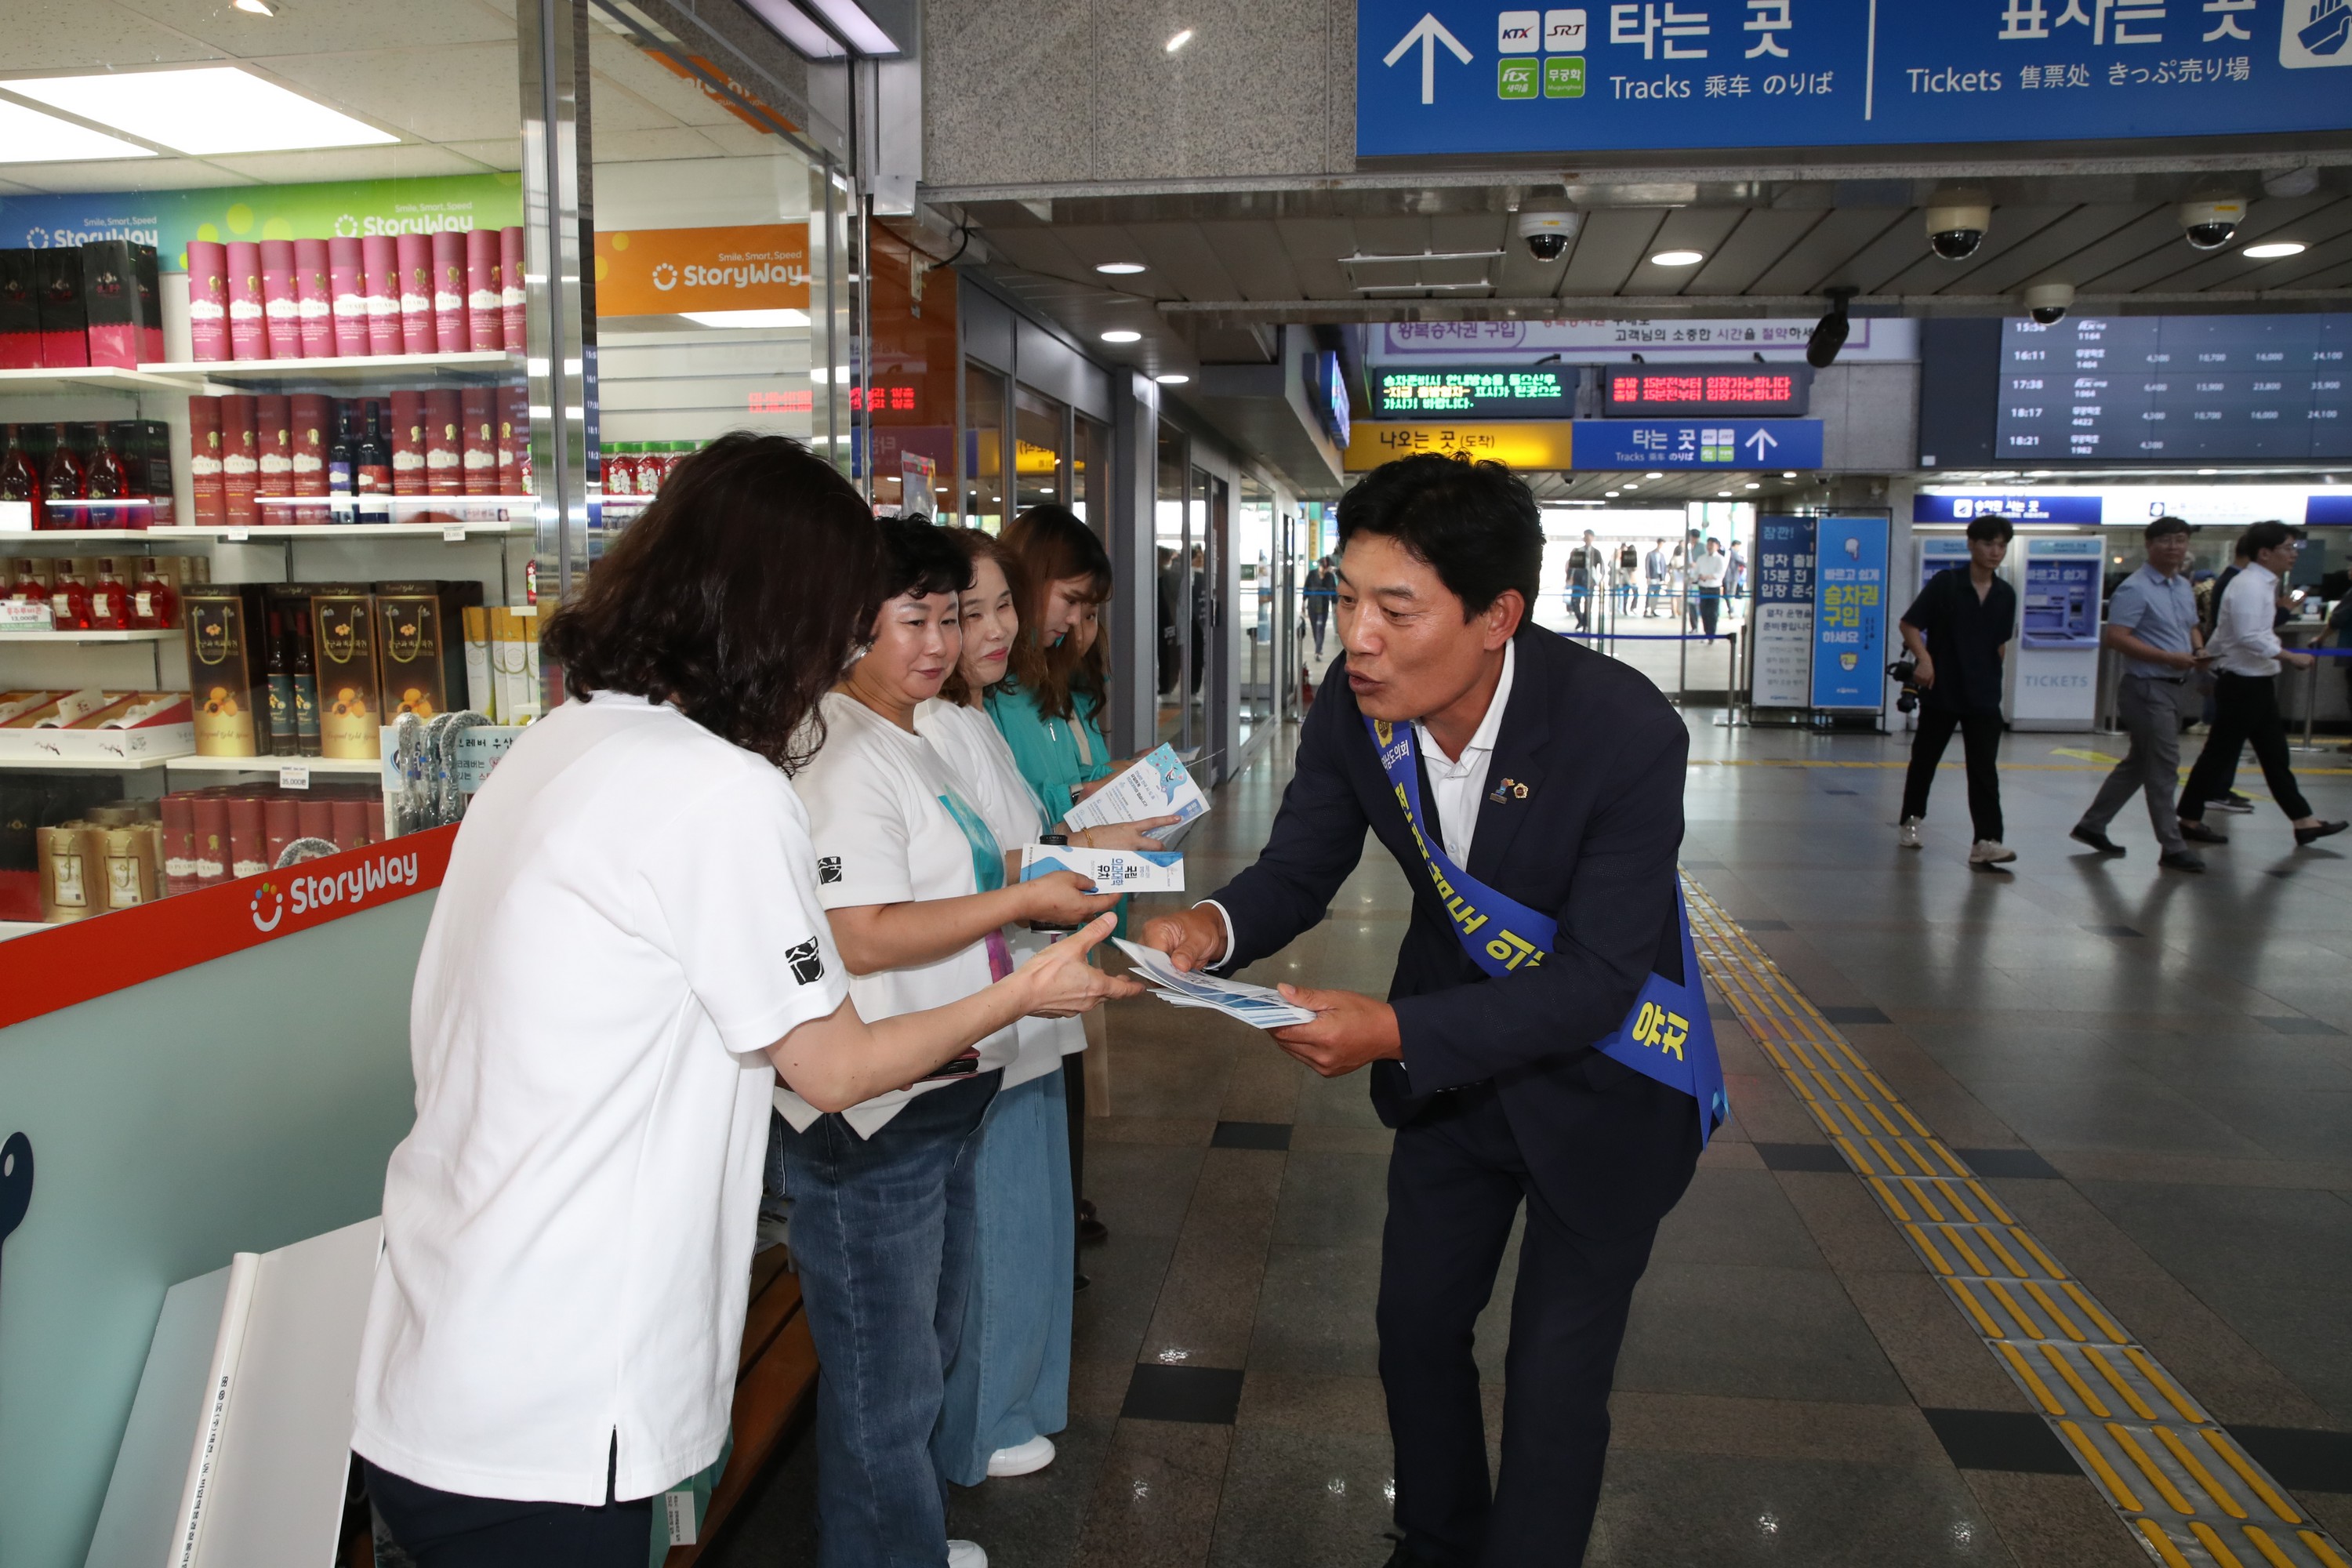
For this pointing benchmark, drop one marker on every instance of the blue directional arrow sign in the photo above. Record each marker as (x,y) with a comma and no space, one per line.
(1673,444)
(1429,32)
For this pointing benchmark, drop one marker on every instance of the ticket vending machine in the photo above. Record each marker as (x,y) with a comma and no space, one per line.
(1936,551)
(2054,669)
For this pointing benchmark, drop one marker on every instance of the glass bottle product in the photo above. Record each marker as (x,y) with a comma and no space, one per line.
(109,600)
(105,480)
(154,603)
(281,688)
(341,477)
(372,473)
(19,480)
(26,581)
(306,677)
(70,604)
(65,478)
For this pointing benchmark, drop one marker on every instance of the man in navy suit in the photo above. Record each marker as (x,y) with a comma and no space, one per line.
(1554,776)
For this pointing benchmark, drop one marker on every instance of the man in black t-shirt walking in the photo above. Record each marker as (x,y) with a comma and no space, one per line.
(1958,630)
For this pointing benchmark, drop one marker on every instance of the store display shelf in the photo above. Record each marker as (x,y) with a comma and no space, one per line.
(340,766)
(157,634)
(11,538)
(101,378)
(454,367)
(327,531)
(21,928)
(86,764)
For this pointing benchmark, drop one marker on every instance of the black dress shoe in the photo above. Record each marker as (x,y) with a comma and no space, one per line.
(2198,832)
(1405,1556)
(2183,860)
(2095,840)
(1092,1232)
(2324,830)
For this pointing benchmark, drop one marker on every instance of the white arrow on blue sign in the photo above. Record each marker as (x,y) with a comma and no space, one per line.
(1429,32)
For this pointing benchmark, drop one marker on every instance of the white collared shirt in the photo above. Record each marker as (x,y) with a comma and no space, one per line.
(1456,785)
(2244,641)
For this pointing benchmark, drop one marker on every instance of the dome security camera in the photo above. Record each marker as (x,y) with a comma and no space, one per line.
(1956,225)
(2213,224)
(1548,233)
(2047,303)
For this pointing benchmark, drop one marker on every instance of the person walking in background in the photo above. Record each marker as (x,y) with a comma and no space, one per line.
(1321,584)
(1687,561)
(1735,581)
(1169,590)
(1653,574)
(2152,626)
(1706,578)
(1583,567)
(2246,657)
(1958,633)
(1629,576)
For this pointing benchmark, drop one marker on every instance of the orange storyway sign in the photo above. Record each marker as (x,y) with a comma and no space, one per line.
(664,272)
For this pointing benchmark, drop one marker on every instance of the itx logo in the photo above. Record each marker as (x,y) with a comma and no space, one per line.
(268,897)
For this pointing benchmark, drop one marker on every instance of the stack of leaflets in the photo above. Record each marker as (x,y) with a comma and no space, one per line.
(1110,871)
(1158,785)
(1253,1004)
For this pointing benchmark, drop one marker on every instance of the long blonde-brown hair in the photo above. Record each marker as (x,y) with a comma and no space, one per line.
(1053,546)
(976,547)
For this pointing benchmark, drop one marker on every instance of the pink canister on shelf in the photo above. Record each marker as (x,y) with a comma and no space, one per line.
(314,300)
(417,333)
(380,273)
(511,257)
(485,324)
(347,295)
(247,334)
(449,290)
(207,300)
(281,307)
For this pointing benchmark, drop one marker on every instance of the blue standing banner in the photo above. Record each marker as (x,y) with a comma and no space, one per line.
(1784,612)
(1850,613)
(1438,77)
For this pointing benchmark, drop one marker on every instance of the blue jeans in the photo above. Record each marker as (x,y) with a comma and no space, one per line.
(1010,1380)
(882,1238)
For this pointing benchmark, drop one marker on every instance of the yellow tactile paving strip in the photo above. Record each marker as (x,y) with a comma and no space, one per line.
(2180,1481)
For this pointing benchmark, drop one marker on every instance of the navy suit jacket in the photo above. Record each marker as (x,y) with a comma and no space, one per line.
(1592,844)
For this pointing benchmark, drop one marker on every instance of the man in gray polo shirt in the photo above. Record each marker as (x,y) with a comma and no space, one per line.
(2152,623)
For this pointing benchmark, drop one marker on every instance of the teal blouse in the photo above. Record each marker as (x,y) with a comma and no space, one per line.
(1048,751)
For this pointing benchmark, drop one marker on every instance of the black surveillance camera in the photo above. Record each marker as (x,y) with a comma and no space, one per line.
(1956,225)
(2211,223)
(1829,332)
(1548,233)
(2047,303)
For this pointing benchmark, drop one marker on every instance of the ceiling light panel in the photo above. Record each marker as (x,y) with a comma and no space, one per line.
(798,28)
(850,20)
(210,110)
(28,136)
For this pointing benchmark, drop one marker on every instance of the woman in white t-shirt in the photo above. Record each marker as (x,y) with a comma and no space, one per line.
(1008,1387)
(912,880)
(626,952)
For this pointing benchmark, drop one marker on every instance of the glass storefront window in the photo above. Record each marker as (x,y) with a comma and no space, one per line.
(1091,473)
(1254,549)
(1040,454)
(1171,544)
(910,405)
(984,448)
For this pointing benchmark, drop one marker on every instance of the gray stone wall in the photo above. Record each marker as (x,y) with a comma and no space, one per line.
(1067,91)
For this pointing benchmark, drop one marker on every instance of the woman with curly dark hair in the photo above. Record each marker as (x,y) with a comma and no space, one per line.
(627,951)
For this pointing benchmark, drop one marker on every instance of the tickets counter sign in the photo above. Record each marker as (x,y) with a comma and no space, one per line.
(1850,614)
(1437,78)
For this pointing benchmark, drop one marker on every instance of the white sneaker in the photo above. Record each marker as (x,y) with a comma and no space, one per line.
(966,1554)
(1991,852)
(1907,836)
(1021,1458)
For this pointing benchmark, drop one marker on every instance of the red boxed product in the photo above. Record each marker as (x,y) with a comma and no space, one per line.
(449,328)
(240,459)
(210,838)
(281,824)
(120,298)
(20,310)
(380,279)
(485,326)
(417,335)
(248,314)
(274,436)
(281,307)
(249,847)
(314,298)
(312,414)
(347,296)
(207,484)
(207,300)
(444,473)
(408,445)
(64,326)
(350,816)
(479,441)
(179,843)
(316,818)
(511,257)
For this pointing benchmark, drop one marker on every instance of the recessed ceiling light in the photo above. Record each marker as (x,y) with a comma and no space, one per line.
(209,111)
(1173,378)
(2208,471)
(1723,495)
(1653,476)
(1122,336)
(1632,484)
(849,19)
(1754,486)
(1120,269)
(254,7)
(1609,492)
(1678,259)
(31,137)
(798,28)
(784,318)
(2271,250)
(1789,474)
(1179,41)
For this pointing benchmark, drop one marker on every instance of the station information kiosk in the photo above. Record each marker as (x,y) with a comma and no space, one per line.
(2053,671)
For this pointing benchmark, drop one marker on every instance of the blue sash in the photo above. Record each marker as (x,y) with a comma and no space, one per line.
(1666,1034)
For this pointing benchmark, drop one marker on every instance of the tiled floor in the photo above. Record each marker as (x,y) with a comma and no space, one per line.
(2155,1071)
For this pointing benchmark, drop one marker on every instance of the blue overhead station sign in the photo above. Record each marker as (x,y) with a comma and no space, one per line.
(1676,444)
(2017,509)
(1451,78)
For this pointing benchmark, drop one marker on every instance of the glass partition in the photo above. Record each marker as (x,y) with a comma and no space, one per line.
(1255,551)
(1091,473)
(1040,449)
(984,448)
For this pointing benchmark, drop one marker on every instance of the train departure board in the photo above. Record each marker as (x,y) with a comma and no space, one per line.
(2183,388)
(1483,392)
(1766,391)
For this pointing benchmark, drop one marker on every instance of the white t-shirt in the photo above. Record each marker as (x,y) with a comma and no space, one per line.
(629,919)
(883,810)
(969,742)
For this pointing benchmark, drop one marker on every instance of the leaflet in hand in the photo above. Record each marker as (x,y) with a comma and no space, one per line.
(1110,871)
(1158,785)
(1256,1006)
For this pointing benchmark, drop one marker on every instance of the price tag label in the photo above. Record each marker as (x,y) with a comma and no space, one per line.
(455,535)
(238,535)
(25,615)
(294,775)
